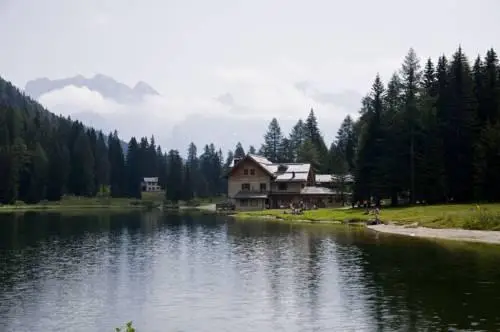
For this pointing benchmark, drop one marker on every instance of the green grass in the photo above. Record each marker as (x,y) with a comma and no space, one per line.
(153,196)
(149,200)
(82,203)
(468,216)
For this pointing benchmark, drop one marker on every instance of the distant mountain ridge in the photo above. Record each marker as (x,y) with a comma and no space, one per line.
(107,86)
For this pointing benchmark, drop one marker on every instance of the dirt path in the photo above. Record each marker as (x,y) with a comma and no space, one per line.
(447,234)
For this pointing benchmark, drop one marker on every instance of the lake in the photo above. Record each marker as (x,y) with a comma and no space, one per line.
(94,272)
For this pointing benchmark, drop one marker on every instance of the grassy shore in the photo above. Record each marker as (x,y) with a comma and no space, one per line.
(85,203)
(70,203)
(466,216)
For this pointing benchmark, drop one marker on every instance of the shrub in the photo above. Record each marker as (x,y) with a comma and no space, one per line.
(127,328)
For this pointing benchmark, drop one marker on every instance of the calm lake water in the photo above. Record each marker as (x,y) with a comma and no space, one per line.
(208,273)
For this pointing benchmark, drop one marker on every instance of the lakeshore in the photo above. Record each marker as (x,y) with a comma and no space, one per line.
(467,235)
(464,222)
(71,203)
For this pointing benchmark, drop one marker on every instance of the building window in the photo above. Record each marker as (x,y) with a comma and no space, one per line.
(245,171)
(282,186)
(252,171)
(245,186)
(263,187)
(254,202)
(244,202)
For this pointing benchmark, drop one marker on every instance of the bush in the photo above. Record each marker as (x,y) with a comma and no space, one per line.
(127,328)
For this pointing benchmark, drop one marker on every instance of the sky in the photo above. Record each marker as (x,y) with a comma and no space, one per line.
(253,59)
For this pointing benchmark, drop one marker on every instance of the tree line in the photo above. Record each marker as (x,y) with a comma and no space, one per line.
(432,134)
(44,157)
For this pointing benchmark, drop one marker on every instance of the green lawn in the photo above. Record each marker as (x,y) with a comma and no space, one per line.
(80,203)
(148,200)
(469,216)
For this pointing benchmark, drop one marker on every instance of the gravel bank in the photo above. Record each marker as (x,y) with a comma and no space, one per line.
(447,234)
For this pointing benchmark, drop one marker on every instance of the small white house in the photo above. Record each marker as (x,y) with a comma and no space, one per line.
(150,184)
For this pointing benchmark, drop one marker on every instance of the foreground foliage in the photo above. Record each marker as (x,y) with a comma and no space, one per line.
(127,328)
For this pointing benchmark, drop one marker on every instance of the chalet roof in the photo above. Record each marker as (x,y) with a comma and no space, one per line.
(290,167)
(260,159)
(154,179)
(284,172)
(326,178)
(290,177)
(317,191)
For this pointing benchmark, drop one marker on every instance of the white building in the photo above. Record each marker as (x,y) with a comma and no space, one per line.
(150,184)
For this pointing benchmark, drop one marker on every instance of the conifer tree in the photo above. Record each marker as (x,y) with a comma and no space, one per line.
(273,142)
(312,134)
(117,166)
(297,138)
(133,168)
(174,191)
(239,152)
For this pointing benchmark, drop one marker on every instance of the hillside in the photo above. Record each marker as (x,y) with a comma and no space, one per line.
(12,97)
(45,158)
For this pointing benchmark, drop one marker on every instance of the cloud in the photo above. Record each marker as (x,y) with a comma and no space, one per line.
(78,99)
(348,100)
(238,98)
(151,116)
(226,99)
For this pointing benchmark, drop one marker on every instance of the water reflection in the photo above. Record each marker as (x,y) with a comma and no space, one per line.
(203,272)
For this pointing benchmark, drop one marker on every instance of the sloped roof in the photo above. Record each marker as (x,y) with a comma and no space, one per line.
(254,159)
(317,191)
(325,178)
(301,170)
(287,177)
(151,179)
(291,167)
(260,159)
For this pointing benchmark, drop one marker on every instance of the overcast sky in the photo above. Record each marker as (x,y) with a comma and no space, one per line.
(259,58)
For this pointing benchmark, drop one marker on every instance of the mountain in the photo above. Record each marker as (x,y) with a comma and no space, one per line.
(107,86)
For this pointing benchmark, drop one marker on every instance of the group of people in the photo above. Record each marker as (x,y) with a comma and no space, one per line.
(370,208)
(300,207)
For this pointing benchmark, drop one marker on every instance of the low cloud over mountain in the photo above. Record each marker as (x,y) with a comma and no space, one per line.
(104,85)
